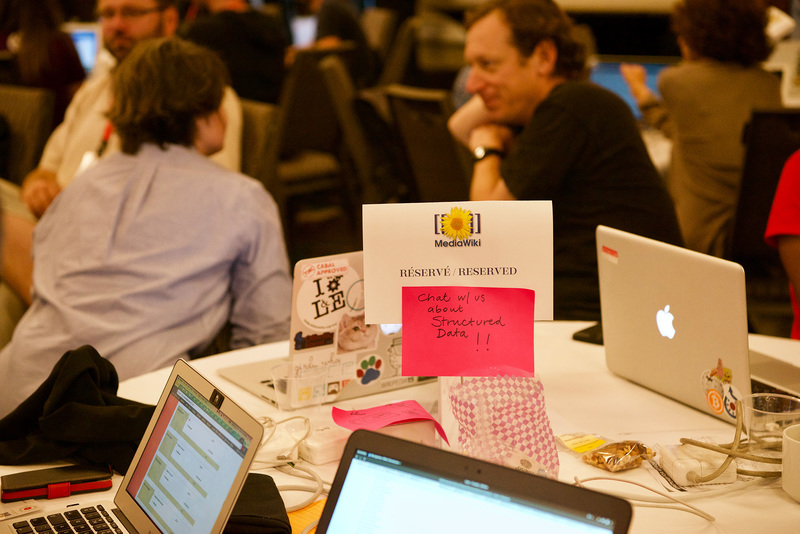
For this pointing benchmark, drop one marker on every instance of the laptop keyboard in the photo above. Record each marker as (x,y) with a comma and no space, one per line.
(92,519)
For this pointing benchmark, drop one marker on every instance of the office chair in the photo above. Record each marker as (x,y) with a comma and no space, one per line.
(258,130)
(400,57)
(379,25)
(342,90)
(302,162)
(29,113)
(440,166)
(770,138)
(371,143)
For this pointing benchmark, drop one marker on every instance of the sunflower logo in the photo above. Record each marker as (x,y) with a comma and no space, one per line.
(457,224)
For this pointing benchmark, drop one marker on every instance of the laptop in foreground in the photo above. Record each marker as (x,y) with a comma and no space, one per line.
(675,321)
(388,485)
(187,472)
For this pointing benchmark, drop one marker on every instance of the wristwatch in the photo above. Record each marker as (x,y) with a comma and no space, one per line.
(482,152)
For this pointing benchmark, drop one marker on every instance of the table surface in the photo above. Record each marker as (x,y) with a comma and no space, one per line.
(581,396)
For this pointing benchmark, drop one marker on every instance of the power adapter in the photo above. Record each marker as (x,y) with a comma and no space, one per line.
(324,444)
(679,461)
(281,446)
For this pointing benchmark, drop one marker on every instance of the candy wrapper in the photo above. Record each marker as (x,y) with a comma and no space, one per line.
(618,456)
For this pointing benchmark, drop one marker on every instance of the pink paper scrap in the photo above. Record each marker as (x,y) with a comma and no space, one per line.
(396,413)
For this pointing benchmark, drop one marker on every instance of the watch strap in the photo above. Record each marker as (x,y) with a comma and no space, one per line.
(482,152)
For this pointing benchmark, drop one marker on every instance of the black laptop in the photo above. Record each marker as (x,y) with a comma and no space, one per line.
(388,485)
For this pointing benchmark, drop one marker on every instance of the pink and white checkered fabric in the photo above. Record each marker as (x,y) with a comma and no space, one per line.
(501,418)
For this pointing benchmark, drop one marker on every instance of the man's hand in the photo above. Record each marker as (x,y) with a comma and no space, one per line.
(487,182)
(636,78)
(39,189)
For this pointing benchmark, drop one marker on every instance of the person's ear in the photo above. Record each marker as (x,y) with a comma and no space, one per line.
(686,51)
(171,19)
(545,56)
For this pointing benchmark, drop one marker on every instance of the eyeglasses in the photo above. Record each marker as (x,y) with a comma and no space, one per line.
(127,12)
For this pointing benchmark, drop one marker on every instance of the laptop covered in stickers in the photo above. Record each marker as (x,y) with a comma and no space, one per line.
(328,330)
(675,321)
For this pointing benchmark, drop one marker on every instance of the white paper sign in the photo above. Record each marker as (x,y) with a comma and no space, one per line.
(476,244)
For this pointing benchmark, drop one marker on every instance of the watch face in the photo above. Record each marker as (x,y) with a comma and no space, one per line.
(479,152)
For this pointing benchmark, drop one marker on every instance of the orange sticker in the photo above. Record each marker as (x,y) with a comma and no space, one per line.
(715,401)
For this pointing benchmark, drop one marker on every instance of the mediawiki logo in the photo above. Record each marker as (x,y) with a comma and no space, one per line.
(457,227)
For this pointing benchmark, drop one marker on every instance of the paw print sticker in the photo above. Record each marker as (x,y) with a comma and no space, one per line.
(369,369)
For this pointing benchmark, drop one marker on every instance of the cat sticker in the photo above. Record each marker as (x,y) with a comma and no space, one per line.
(355,334)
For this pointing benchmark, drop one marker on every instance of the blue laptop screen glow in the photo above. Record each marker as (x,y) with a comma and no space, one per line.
(86,45)
(606,73)
(86,38)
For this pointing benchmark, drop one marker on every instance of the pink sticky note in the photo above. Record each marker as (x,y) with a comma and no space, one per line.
(408,411)
(467,331)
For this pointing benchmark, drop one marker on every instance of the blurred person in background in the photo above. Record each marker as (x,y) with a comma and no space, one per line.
(153,250)
(783,230)
(251,43)
(705,102)
(84,136)
(41,54)
(337,21)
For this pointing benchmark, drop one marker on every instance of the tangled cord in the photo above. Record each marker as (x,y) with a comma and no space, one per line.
(736,449)
(666,500)
(286,465)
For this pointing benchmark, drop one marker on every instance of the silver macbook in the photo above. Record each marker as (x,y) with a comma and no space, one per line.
(328,329)
(186,474)
(386,485)
(675,321)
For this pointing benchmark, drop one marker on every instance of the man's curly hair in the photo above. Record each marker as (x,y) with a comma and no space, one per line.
(533,21)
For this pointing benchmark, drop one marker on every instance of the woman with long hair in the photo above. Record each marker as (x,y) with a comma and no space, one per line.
(41,54)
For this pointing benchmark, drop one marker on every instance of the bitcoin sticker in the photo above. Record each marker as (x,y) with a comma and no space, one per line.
(715,401)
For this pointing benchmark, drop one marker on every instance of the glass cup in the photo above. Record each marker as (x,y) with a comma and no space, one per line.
(766,415)
(307,389)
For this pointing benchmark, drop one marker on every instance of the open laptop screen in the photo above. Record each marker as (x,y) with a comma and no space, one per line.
(86,38)
(606,73)
(385,495)
(189,463)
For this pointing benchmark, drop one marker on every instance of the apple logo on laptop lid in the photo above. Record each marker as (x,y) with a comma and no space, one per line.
(664,322)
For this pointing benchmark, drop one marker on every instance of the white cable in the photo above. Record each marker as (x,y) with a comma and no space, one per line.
(688,507)
(682,498)
(681,508)
(737,449)
(270,425)
(315,491)
(285,464)
(311,525)
(306,477)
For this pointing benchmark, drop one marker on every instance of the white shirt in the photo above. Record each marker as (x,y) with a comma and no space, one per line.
(85,123)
